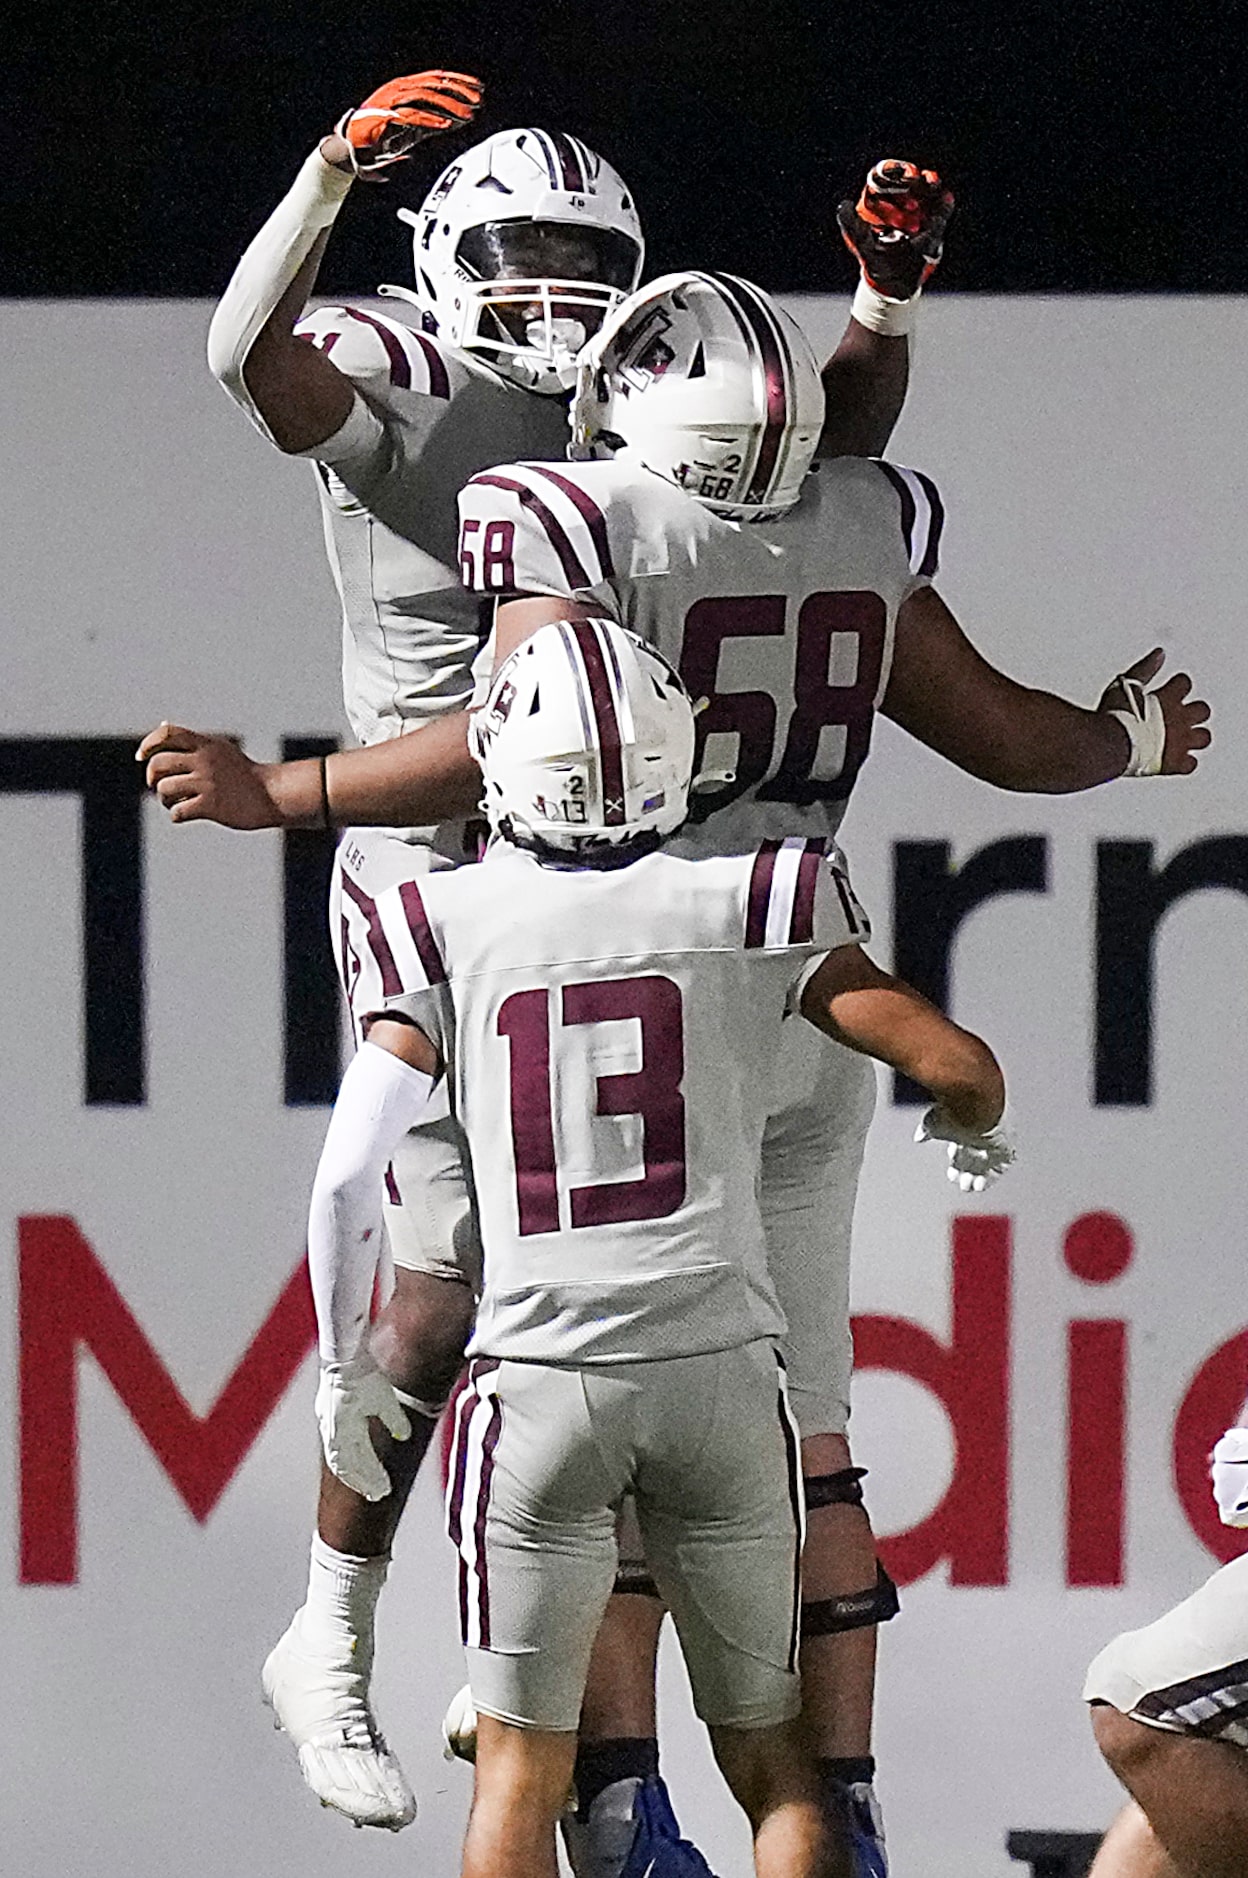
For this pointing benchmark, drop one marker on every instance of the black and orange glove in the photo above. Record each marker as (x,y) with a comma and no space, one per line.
(896,229)
(394,119)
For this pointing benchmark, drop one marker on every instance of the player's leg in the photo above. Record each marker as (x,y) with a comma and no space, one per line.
(812,1154)
(1130,1849)
(530,1512)
(1168,1707)
(719,1498)
(1194,1793)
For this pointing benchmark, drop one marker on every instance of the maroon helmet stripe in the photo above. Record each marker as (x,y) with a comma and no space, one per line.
(570,561)
(767,345)
(546,145)
(593,516)
(760,893)
(936,522)
(605,720)
(422,932)
(378,944)
(400,364)
(802,922)
(907,504)
(569,163)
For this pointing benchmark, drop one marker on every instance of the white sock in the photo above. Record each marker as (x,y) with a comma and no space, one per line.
(342,1599)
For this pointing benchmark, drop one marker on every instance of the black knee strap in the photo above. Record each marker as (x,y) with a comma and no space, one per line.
(635,1582)
(825,1617)
(839,1489)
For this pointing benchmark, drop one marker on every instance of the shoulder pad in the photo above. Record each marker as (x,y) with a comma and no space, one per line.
(372,350)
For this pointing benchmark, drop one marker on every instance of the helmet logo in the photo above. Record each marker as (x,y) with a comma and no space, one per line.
(444,185)
(647,355)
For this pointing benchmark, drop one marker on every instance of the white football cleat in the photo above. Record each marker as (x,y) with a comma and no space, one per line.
(459,1728)
(323,1706)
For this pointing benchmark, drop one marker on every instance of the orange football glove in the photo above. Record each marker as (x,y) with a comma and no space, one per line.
(896,229)
(393,120)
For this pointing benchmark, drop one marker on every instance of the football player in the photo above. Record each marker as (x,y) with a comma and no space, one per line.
(708,535)
(520,248)
(609,1047)
(1170,1714)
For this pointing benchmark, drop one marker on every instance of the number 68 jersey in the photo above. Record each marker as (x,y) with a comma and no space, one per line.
(611,1041)
(785,627)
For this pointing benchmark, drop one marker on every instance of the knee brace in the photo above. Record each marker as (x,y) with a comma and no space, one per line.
(634,1581)
(840,1489)
(854,1610)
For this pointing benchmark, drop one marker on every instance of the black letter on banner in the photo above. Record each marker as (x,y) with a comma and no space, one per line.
(1131,899)
(310,982)
(931,899)
(103,773)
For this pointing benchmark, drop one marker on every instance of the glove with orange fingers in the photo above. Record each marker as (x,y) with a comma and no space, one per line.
(896,229)
(390,123)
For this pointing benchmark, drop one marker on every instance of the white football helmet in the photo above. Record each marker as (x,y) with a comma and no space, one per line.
(522,247)
(708,383)
(585,740)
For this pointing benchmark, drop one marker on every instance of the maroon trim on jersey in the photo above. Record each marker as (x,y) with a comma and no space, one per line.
(771,351)
(400,364)
(392,1186)
(936,523)
(439,377)
(455,1505)
(849,906)
(569,163)
(422,932)
(570,561)
(793,1473)
(590,513)
(760,893)
(606,722)
(802,922)
(907,504)
(378,944)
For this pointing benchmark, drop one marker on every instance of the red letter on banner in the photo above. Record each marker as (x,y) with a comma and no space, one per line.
(67,1299)
(1212,1404)
(970,1377)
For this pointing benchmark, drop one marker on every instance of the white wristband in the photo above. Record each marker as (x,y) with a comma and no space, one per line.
(892,319)
(1145,724)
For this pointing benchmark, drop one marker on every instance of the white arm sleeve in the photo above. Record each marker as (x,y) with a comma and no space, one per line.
(266,271)
(379,1100)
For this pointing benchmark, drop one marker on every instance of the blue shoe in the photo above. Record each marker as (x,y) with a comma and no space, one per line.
(632,1832)
(866,1831)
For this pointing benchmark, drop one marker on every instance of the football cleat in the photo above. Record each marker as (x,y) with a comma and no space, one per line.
(896,229)
(631,1832)
(343,1756)
(863,1824)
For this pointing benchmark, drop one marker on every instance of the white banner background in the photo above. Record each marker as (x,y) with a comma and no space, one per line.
(158,560)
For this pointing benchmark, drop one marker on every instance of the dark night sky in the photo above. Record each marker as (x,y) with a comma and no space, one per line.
(1092,149)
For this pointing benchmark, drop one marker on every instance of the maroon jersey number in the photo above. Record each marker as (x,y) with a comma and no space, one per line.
(818,703)
(653,1092)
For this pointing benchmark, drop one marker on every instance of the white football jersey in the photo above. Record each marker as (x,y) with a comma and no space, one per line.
(608,1037)
(427,418)
(786,627)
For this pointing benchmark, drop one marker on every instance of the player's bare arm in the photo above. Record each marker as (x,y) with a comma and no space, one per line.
(426,775)
(895,231)
(947,695)
(295,389)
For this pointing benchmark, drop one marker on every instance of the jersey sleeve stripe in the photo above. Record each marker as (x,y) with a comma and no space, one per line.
(780,905)
(759,894)
(400,364)
(936,523)
(906,499)
(854,916)
(606,720)
(378,943)
(802,924)
(404,348)
(422,933)
(591,514)
(574,573)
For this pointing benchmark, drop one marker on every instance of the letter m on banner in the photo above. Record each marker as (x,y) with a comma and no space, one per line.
(68,1302)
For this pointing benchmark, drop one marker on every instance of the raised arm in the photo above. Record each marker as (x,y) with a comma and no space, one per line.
(293,392)
(895,231)
(947,695)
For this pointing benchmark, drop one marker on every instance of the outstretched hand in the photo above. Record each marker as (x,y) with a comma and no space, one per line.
(1171,722)
(204,778)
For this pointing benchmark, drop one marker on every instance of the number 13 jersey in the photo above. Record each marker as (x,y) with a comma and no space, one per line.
(611,1042)
(786,627)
